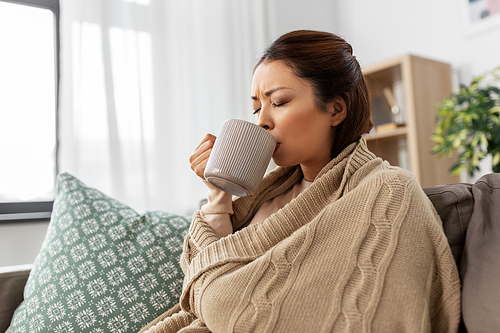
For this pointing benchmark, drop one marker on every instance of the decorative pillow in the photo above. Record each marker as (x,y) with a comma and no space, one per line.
(102,267)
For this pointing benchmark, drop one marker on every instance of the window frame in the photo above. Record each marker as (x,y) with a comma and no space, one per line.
(33,211)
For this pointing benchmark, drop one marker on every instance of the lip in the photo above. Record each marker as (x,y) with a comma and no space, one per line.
(277,146)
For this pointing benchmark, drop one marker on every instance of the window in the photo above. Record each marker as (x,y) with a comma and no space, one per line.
(29,64)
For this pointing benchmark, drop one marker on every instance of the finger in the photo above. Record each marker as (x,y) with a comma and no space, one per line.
(208,137)
(200,164)
(201,149)
(202,158)
(200,169)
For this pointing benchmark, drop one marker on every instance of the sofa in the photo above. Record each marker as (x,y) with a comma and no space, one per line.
(471,223)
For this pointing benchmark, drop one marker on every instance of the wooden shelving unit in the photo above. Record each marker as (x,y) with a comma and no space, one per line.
(422,84)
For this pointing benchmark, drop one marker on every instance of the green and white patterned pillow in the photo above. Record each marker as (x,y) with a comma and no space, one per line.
(102,267)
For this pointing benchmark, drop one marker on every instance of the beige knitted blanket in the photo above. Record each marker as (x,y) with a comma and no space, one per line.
(361,250)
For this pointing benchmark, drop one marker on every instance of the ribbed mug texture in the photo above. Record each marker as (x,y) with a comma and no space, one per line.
(239,158)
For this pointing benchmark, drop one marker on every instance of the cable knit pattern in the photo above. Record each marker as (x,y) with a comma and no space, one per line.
(361,250)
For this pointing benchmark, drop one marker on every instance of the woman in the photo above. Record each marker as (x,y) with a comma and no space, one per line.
(335,239)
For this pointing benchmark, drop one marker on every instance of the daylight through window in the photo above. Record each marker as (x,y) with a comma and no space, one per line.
(28,96)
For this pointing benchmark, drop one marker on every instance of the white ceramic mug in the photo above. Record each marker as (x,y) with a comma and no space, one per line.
(240,157)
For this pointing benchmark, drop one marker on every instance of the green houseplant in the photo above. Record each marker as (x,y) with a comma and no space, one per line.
(468,122)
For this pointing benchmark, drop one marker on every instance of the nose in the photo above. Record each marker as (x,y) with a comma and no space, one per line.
(264,119)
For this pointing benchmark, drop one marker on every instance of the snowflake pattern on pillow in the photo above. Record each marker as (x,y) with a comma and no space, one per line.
(102,267)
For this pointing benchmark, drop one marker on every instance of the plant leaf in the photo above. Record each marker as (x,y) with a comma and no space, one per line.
(496,159)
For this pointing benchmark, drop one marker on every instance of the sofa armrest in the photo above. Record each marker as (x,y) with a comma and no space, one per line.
(12,281)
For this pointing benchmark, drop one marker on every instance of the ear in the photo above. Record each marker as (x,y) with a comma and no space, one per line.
(338,110)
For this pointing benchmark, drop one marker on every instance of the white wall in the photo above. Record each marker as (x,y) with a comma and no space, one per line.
(20,242)
(435,29)
(300,14)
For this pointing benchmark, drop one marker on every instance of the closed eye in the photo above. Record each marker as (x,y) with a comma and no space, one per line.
(277,105)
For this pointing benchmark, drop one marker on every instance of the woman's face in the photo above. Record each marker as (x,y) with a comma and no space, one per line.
(284,104)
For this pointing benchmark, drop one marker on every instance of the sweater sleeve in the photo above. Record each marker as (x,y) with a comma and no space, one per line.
(199,237)
(209,224)
(217,211)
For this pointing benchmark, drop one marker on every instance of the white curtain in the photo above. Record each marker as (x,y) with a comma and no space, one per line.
(142,81)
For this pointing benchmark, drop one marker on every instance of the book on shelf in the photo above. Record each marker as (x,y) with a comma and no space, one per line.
(381,114)
(396,106)
(398,93)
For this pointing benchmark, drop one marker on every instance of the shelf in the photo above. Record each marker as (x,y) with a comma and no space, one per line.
(415,86)
(387,134)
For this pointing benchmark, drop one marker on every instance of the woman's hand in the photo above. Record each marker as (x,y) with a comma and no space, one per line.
(216,213)
(201,154)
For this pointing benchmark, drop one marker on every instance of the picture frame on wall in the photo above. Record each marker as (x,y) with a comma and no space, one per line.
(480,16)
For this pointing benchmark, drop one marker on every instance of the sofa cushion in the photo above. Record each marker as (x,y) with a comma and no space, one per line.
(102,266)
(454,203)
(480,267)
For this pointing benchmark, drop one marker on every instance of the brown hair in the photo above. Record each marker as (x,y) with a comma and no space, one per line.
(326,61)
